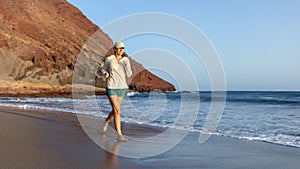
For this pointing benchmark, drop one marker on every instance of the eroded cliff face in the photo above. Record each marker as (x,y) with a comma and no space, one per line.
(40,41)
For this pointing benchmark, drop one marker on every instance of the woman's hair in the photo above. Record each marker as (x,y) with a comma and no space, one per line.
(112,51)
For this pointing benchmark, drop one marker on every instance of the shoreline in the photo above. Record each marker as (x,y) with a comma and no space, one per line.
(49,139)
(147,127)
(11,88)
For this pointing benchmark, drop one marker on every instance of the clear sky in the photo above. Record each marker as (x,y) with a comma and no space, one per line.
(257,41)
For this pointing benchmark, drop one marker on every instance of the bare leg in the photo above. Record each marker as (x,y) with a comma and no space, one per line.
(111,116)
(108,119)
(121,137)
(116,109)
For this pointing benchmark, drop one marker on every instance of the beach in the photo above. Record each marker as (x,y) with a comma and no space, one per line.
(34,139)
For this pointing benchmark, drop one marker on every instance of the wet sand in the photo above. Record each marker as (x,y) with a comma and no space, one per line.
(35,139)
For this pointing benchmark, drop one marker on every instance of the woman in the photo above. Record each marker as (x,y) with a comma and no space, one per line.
(116,69)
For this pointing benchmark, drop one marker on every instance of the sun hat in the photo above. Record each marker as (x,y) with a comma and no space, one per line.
(119,45)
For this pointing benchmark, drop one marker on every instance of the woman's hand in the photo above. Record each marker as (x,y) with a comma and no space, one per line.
(125,62)
(106,75)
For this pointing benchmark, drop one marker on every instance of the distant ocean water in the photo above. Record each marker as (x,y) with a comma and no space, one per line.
(272,117)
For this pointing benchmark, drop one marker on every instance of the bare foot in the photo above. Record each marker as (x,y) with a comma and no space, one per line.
(104,127)
(122,138)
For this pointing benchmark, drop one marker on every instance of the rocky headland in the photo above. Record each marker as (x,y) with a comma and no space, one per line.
(40,45)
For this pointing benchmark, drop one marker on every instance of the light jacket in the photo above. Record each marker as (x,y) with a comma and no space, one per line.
(118,72)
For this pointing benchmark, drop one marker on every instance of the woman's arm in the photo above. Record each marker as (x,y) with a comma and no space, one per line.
(127,67)
(105,68)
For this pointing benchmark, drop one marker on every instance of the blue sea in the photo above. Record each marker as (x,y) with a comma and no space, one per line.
(266,116)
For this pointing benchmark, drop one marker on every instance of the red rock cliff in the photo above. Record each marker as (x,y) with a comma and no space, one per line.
(40,41)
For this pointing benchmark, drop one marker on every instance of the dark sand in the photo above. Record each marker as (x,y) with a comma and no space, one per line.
(39,139)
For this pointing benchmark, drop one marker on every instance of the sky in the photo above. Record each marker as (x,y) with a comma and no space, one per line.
(257,42)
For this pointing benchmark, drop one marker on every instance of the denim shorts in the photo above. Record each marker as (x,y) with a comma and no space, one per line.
(115,92)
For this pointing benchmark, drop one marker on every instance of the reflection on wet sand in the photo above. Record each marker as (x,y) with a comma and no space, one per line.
(112,148)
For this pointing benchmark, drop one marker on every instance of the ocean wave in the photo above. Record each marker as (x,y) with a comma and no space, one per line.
(271,117)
